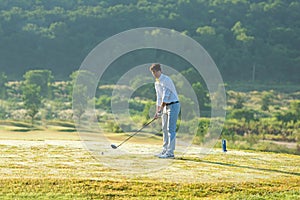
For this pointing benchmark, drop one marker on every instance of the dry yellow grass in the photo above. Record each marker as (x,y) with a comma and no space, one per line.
(59,167)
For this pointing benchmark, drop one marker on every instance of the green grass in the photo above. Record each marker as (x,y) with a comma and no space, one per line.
(106,189)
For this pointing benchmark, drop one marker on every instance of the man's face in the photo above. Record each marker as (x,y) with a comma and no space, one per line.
(156,74)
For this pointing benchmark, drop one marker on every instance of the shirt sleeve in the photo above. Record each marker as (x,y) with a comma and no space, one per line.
(158,94)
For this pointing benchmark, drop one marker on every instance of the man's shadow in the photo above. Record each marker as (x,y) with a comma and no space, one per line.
(237,166)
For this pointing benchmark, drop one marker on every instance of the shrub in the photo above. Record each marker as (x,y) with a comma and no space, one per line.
(266,100)
(19,114)
(246,114)
(3,112)
(136,105)
(65,114)
(271,147)
(239,101)
(104,103)
(203,125)
(113,127)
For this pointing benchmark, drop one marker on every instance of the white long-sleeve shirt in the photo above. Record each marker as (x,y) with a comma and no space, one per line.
(165,90)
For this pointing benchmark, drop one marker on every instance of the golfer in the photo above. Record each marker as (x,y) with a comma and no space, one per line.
(167,107)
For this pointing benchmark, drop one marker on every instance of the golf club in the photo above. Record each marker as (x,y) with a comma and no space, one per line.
(115,147)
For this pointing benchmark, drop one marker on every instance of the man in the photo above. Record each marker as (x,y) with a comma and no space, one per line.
(167,107)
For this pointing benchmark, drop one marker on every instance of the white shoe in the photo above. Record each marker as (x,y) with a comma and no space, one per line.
(161,153)
(167,155)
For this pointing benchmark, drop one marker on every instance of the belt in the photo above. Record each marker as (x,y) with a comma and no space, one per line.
(172,103)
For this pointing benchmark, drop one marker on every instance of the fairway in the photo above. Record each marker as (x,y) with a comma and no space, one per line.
(61,168)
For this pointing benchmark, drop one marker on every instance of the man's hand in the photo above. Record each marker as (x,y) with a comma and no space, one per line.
(158,114)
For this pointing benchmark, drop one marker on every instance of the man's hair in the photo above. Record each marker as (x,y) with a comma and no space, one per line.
(155,67)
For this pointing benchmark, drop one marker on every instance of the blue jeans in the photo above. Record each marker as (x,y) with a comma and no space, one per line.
(169,119)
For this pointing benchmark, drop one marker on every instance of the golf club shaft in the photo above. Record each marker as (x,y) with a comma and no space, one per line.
(136,132)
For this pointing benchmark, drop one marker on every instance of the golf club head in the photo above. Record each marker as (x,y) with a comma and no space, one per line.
(113,146)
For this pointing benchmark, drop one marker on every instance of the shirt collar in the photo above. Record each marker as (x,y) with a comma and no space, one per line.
(161,77)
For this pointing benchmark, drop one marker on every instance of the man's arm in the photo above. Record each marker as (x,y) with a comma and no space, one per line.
(158,112)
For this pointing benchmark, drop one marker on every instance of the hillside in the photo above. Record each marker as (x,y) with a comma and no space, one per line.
(243,37)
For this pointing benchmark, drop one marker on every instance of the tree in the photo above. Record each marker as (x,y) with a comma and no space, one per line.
(83,83)
(202,95)
(241,33)
(41,78)
(188,108)
(32,99)
(80,101)
(236,33)
(192,75)
(3,80)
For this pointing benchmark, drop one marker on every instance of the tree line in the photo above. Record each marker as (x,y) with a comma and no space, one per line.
(39,90)
(251,117)
(249,40)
